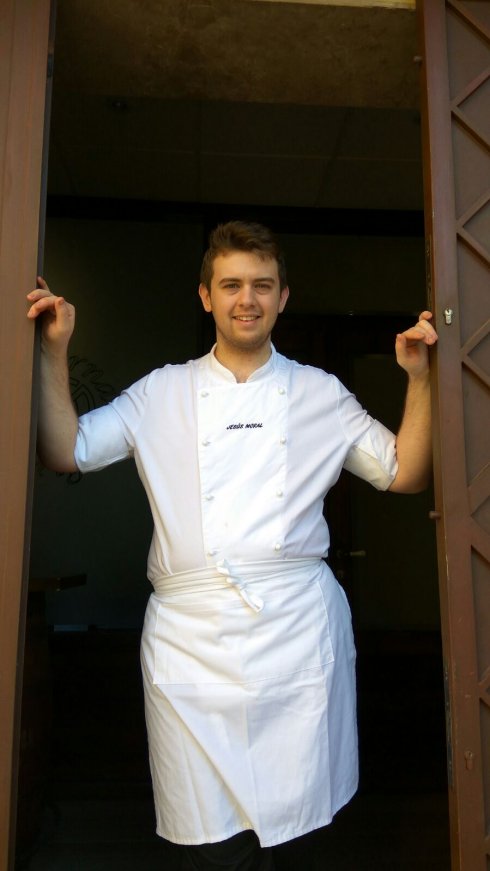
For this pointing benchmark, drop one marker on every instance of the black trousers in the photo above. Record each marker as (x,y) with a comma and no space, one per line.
(242,852)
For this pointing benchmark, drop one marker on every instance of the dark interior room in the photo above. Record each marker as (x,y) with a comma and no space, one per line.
(166,119)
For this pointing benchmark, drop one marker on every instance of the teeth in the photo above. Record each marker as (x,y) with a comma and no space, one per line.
(253,318)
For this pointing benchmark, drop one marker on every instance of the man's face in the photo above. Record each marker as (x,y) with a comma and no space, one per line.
(245,300)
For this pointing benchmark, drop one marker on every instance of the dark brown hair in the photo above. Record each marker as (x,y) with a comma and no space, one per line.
(242,236)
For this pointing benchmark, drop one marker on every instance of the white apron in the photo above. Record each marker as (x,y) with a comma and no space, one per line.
(249,685)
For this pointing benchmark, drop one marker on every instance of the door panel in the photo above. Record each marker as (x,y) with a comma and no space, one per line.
(23,59)
(455,39)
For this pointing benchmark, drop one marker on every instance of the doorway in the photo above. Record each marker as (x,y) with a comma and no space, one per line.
(98,740)
(105,360)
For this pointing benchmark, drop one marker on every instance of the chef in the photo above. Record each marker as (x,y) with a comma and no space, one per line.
(247,652)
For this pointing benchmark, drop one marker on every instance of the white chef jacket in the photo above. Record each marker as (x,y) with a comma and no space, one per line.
(247,649)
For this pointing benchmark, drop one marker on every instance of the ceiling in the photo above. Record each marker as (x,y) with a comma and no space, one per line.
(236,101)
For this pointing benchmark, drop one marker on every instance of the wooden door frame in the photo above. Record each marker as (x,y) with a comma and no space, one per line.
(457,497)
(24,39)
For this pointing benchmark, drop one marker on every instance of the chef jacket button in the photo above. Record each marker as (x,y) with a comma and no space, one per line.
(277,545)
(205,442)
(279,492)
(283,440)
(209,497)
(212,551)
(282,390)
(204,393)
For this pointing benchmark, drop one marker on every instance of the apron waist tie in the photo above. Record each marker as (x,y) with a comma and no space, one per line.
(239,576)
(251,599)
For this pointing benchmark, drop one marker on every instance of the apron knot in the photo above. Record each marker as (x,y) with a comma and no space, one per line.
(251,599)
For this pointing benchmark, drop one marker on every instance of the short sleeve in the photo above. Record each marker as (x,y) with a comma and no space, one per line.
(372,452)
(107,435)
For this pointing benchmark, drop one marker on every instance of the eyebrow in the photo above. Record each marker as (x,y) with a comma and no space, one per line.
(232,278)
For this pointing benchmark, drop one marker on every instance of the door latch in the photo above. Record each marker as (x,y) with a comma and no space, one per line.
(448,315)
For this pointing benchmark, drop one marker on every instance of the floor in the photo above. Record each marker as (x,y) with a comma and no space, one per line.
(89,806)
(374,832)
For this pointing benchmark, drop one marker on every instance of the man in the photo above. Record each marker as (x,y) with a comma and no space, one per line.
(247,649)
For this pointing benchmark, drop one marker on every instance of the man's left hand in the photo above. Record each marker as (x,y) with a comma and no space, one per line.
(412,346)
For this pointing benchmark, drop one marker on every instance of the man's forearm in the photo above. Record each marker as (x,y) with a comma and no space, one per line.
(413,442)
(58,420)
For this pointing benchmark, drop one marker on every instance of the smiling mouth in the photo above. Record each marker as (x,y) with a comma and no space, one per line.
(245,318)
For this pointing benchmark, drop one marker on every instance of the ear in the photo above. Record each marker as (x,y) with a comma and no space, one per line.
(283,298)
(205,297)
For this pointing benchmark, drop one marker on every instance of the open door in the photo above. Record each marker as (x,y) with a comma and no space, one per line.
(24,38)
(455,38)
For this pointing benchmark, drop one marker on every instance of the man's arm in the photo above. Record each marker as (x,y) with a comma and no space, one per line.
(58,420)
(413,442)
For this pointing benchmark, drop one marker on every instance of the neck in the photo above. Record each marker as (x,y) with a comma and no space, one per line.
(242,363)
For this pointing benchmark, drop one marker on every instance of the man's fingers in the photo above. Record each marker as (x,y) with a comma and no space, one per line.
(423,331)
(56,305)
(418,333)
(35,295)
(41,289)
(41,302)
(424,324)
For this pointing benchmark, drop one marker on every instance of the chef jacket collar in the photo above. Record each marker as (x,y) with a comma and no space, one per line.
(225,374)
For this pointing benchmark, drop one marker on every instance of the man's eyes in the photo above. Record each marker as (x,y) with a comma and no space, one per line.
(262,287)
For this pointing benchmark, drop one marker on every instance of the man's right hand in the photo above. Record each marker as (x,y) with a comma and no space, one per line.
(58,317)
(58,419)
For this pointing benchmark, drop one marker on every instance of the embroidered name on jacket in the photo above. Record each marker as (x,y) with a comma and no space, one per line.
(244,426)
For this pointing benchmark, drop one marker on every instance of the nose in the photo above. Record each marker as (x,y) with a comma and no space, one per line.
(247,295)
